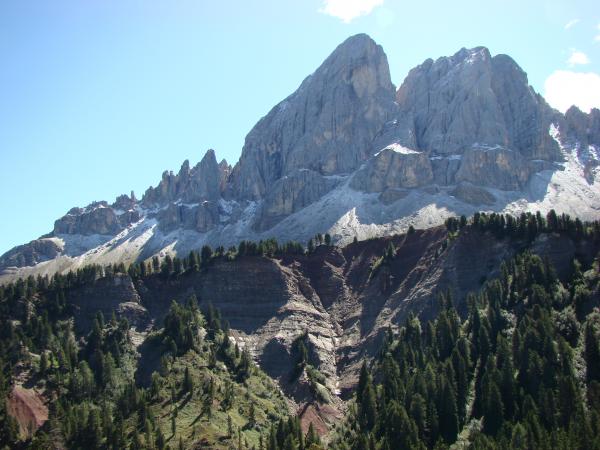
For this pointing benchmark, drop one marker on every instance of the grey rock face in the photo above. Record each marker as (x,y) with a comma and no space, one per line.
(526,115)
(472,98)
(583,130)
(390,196)
(444,169)
(30,254)
(125,203)
(494,167)
(97,218)
(174,216)
(392,169)
(581,127)
(326,126)
(224,173)
(473,195)
(292,193)
(203,182)
(202,217)
(207,217)
(451,102)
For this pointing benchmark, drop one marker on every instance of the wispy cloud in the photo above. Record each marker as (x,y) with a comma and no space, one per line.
(597,37)
(564,88)
(571,23)
(348,10)
(577,58)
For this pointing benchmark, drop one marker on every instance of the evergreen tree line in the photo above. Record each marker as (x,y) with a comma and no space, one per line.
(527,225)
(509,376)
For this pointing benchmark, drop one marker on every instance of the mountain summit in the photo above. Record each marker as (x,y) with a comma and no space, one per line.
(326,126)
(348,154)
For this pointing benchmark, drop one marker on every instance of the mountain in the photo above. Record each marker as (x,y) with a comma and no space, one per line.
(350,155)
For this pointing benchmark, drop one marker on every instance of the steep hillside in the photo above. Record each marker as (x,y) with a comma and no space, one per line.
(519,371)
(308,319)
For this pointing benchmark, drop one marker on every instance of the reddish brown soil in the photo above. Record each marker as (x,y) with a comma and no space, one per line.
(28,408)
(321,417)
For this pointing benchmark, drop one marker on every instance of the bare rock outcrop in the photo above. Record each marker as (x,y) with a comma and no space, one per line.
(473,195)
(292,193)
(327,125)
(495,167)
(471,98)
(96,218)
(190,185)
(583,131)
(115,293)
(394,167)
(30,254)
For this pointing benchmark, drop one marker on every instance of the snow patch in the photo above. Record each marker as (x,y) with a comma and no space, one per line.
(398,148)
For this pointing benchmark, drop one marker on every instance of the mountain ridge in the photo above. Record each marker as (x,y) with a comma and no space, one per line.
(349,154)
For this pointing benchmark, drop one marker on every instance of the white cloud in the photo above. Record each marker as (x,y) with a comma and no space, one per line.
(347,10)
(597,38)
(571,23)
(577,57)
(564,88)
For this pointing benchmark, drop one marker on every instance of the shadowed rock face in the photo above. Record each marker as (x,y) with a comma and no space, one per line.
(474,195)
(106,295)
(582,127)
(326,126)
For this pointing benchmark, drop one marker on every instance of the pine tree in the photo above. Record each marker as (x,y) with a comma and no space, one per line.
(252,415)
(592,353)
(368,406)
(448,415)
(43,363)
(159,439)
(493,409)
(188,382)
(206,254)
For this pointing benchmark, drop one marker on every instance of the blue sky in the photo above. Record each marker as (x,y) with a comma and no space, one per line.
(97,98)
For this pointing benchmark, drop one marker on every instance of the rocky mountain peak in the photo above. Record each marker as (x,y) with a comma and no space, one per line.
(466,57)
(472,100)
(202,182)
(224,173)
(327,125)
